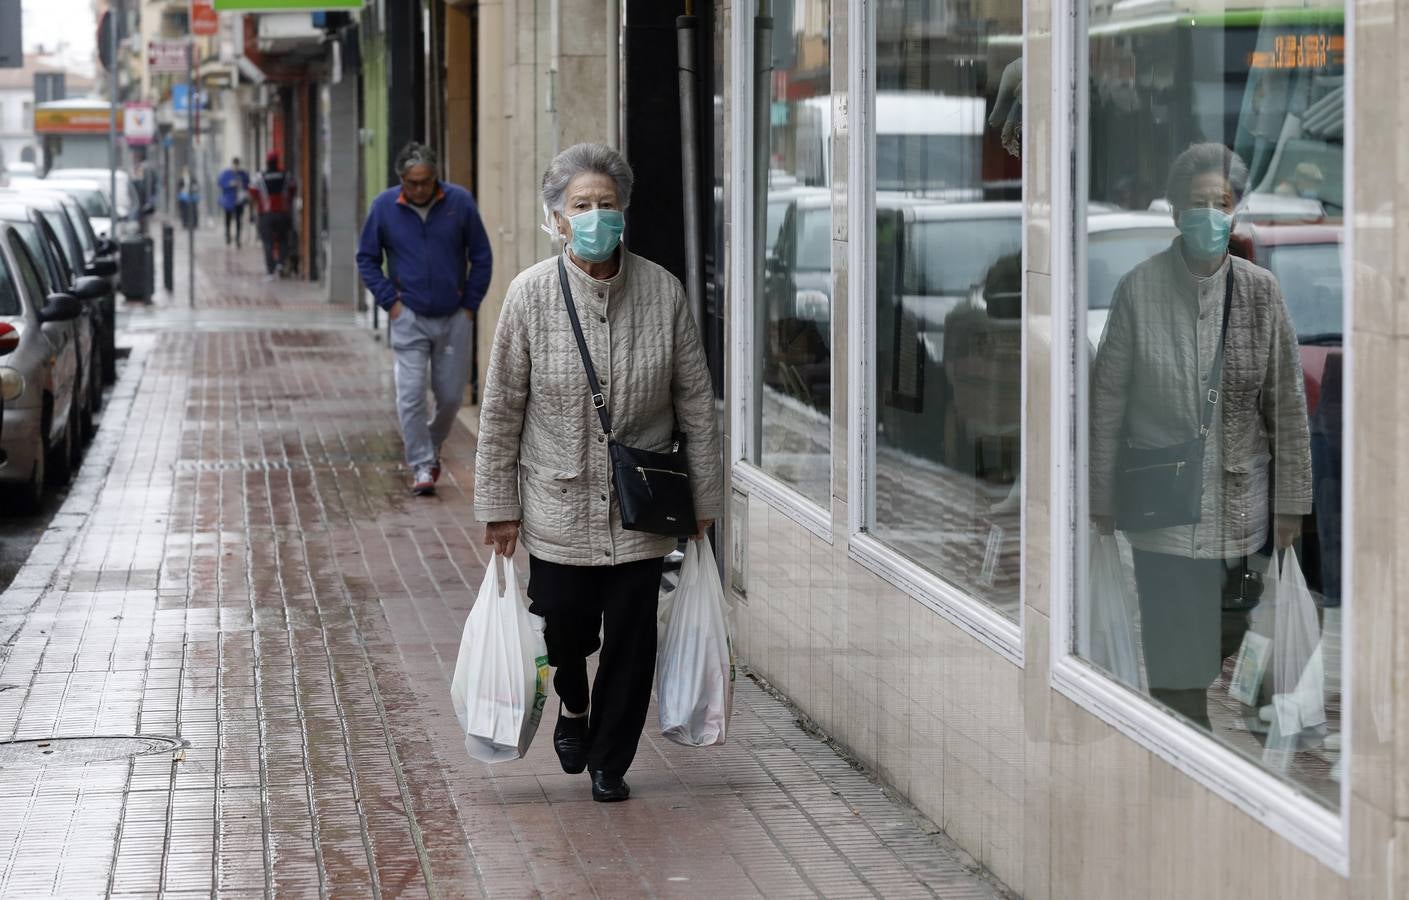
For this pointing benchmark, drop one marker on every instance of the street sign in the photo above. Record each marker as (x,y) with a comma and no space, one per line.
(166,55)
(284,5)
(139,123)
(204,19)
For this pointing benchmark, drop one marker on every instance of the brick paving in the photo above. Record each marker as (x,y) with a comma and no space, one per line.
(239,566)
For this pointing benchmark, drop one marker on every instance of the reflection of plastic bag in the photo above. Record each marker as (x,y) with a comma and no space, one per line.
(1298,675)
(501,675)
(1111,622)
(695,669)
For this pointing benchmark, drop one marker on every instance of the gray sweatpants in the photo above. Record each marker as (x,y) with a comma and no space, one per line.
(441,345)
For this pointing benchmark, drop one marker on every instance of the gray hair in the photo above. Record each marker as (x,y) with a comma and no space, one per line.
(416,154)
(1199,159)
(580,158)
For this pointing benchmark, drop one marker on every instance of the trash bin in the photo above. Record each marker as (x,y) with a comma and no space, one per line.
(137,267)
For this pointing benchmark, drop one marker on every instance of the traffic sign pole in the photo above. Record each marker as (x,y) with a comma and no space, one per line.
(115,11)
(191,172)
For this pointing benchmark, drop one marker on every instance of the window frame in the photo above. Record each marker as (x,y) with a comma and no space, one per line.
(971,614)
(746,475)
(1320,832)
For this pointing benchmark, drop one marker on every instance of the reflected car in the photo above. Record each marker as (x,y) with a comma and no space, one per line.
(129,202)
(38,379)
(1308,262)
(1117,242)
(797,297)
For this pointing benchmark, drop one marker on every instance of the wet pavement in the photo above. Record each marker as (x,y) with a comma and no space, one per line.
(239,566)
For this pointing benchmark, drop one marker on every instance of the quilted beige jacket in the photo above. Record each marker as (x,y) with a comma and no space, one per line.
(1148,384)
(542,459)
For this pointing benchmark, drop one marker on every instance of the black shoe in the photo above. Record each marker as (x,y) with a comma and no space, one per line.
(608,788)
(570,740)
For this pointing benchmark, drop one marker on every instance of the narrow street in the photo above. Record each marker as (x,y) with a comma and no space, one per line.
(239,566)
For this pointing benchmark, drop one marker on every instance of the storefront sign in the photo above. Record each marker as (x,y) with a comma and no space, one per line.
(167,56)
(139,123)
(86,120)
(284,5)
(204,19)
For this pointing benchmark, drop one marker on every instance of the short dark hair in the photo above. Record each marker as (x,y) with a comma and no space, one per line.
(1199,159)
(416,154)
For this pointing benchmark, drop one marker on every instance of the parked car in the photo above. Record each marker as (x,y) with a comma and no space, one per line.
(91,195)
(128,204)
(59,277)
(86,254)
(38,379)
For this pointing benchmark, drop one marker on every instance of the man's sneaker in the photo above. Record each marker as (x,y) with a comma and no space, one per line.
(424,482)
(435,471)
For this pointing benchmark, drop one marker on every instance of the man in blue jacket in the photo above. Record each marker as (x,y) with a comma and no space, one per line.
(430,233)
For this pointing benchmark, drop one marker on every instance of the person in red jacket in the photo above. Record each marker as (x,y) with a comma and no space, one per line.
(272,193)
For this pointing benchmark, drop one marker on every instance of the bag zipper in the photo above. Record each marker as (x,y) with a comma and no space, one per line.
(1177,466)
(644,469)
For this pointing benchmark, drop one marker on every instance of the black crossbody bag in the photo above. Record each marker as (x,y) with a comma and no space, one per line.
(653,490)
(1163,487)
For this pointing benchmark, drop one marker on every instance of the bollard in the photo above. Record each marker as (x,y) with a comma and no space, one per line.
(168,260)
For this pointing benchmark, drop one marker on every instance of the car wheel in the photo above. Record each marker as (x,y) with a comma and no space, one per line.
(86,425)
(60,461)
(95,379)
(30,495)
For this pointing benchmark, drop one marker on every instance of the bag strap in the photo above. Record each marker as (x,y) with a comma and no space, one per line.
(1215,376)
(599,400)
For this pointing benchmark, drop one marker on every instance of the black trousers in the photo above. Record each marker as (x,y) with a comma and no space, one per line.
(274,231)
(1184,630)
(237,216)
(607,607)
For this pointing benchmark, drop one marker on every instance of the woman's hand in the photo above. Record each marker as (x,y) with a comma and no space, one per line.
(705,525)
(1288,529)
(503,536)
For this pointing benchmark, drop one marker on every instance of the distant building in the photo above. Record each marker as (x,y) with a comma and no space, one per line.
(17,140)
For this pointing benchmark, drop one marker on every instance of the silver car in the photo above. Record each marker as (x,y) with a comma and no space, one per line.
(37,379)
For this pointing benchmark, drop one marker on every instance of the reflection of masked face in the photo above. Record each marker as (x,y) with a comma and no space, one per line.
(1204,232)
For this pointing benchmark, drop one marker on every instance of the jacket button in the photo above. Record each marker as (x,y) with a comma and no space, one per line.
(600,438)
(565,490)
(604,498)
(602,319)
(606,553)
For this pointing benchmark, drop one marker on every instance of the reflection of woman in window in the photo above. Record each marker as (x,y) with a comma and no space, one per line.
(1156,380)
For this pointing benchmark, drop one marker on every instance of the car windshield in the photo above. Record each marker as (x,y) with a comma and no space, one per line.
(949,256)
(1310,275)
(9,294)
(81,226)
(29,233)
(56,220)
(1112,254)
(93,203)
(814,239)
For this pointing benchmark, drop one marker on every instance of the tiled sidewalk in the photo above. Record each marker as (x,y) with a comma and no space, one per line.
(240,566)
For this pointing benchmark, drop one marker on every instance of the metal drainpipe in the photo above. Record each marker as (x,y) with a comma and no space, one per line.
(686,30)
(614,73)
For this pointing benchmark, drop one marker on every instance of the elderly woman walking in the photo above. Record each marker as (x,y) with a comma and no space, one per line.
(543,473)
(1200,448)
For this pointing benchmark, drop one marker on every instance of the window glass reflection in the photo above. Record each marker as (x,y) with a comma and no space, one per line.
(793,274)
(1215,311)
(945,484)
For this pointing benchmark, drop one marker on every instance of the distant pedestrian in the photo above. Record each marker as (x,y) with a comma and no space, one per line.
(438,266)
(234,197)
(272,193)
(144,179)
(543,463)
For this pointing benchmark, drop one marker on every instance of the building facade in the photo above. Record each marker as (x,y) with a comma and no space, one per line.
(950,283)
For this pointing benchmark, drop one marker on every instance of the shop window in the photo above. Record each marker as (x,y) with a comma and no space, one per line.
(1214,150)
(792,328)
(946,328)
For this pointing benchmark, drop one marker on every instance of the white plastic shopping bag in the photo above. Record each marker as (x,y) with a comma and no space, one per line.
(1110,624)
(1298,675)
(501,675)
(695,666)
